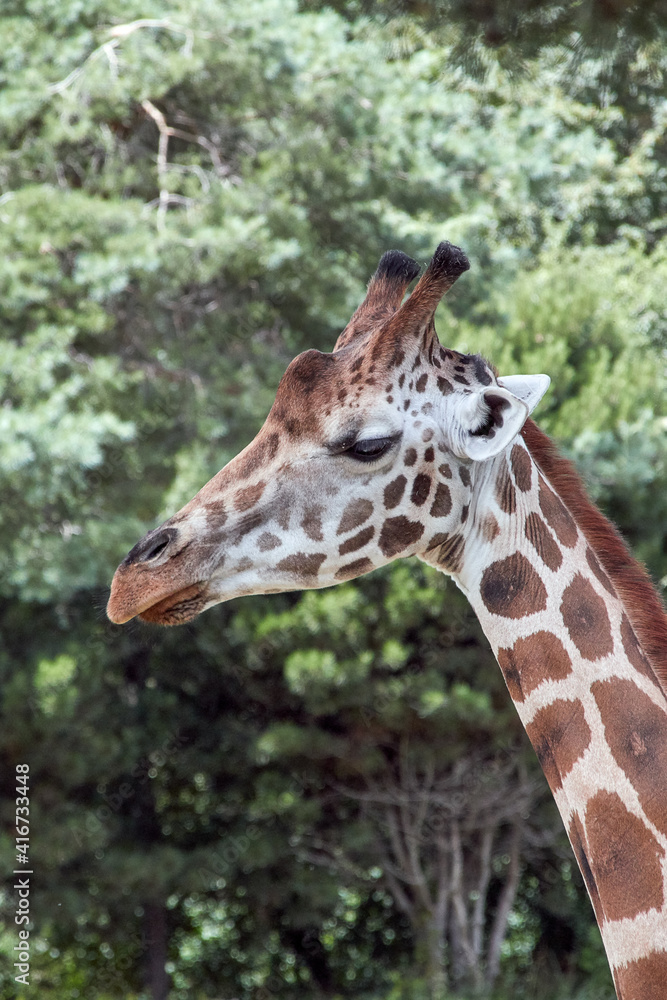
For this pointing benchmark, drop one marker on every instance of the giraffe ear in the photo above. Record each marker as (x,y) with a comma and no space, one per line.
(493,417)
(529,388)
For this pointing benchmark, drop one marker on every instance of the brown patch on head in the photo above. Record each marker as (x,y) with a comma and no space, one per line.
(557,515)
(393,492)
(353,569)
(356,541)
(592,561)
(442,501)
(537,658)
(305,389)
(256,455)
(645,977)
(522,467)
(446,551)
(247,497)
(490,528)
(302,564)
(248,522)
(396,360)
(625,858)
(216,508)
(481,370)
(505,492)
(578,841)
(356,512)
(420,384)
(267,541)
(445,386)
(464,473)
(421,488)
(633,651)
(311,522)
(445,470)
(398,534)
(560,734)
(586,619)
(541,539)
(283,515)
(636,731)
(410,457)
(429,454)
(510,587)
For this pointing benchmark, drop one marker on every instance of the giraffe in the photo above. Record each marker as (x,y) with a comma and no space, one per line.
(393,446)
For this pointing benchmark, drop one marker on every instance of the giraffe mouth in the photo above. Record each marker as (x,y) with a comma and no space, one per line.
(177,608)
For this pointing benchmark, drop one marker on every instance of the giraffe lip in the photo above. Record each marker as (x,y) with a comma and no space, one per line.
(176,608)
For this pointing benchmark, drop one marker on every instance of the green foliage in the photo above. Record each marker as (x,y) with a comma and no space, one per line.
(189,195)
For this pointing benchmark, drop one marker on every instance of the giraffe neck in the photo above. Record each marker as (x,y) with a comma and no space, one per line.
(589,698)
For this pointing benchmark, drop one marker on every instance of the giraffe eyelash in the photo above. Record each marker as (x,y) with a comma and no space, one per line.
(370,449)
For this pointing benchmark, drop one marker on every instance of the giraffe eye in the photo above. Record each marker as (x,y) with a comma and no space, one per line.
(370,449)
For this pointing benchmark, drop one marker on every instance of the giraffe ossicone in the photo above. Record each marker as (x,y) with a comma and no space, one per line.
(393,446)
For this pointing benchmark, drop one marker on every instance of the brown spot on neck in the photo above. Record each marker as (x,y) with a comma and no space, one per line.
(592,561)
(537,658)
(636,731)
(446,551)
(522,467)
(643,979)
(560,734)
(633,651)
(557,515)
(540,538)
(505,491)
(625,858)
(511,588)
(586,619)
(490,527)
(629,579)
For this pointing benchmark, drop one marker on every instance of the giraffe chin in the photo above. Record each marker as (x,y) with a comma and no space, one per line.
(178,608)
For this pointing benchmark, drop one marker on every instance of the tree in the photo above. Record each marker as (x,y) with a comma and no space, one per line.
(187,201)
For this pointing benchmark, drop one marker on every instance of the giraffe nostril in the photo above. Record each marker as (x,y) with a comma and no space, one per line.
(151,546)
(156,549)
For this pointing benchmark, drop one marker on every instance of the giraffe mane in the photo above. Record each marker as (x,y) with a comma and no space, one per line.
(640,598)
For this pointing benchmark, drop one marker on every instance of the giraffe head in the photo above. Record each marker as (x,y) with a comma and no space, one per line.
(369,453)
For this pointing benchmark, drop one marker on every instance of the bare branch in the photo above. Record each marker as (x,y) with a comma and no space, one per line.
(505,903)
(479,910)
(118,33)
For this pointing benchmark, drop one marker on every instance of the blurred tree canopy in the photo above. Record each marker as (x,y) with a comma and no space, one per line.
(190,194)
